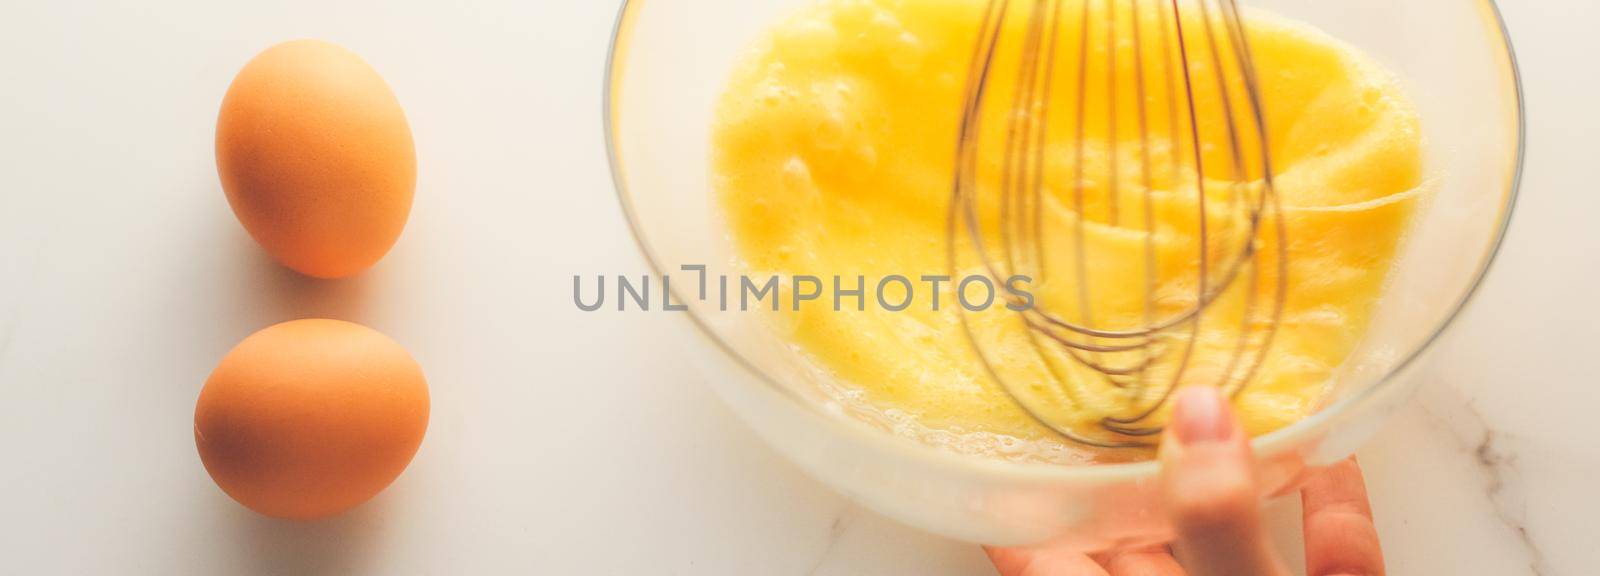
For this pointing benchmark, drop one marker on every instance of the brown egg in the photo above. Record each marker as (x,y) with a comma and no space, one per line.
(316,158)
(309,418)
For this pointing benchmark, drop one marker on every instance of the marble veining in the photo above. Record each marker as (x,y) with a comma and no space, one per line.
(1495,452)
(836,530)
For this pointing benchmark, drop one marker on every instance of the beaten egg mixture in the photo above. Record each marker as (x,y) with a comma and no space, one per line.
(834,148)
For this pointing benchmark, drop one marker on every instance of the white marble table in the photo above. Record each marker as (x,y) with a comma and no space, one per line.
(564,442)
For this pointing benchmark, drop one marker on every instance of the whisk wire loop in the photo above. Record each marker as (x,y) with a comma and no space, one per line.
(1006,212)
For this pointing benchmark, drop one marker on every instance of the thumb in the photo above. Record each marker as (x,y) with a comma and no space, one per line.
(1209,487)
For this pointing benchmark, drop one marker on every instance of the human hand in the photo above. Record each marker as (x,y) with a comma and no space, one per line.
(1210,490)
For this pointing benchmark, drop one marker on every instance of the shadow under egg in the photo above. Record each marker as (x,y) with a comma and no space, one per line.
(281,294)
(342,544)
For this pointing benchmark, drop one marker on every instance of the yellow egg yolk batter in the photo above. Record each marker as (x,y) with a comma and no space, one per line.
(834,150)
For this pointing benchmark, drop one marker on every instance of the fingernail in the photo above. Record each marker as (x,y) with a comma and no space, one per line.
(1201,416)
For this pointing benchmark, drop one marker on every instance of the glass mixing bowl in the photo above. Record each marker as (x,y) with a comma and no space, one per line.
(668,63)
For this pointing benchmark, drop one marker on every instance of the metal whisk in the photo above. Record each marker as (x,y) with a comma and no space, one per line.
(1172,89)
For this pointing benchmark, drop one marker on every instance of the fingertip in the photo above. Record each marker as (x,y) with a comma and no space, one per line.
(1200,415)
(1148,561)
(1006,560)
(1340,535)
(1042,562)
(1205,442)
(1209,486)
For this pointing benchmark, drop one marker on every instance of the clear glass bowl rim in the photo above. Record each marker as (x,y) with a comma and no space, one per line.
(1265,446)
